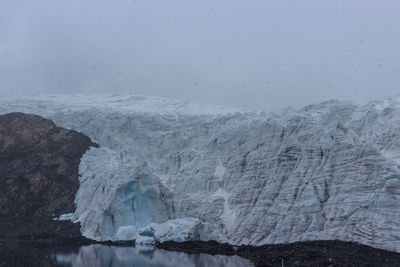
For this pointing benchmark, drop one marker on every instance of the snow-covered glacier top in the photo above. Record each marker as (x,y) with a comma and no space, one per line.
(168,170)
(121,103)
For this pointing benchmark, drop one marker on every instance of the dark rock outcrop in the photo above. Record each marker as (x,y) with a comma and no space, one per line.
(39,164)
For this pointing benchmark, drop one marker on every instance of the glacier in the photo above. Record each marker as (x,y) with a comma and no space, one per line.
(172,170)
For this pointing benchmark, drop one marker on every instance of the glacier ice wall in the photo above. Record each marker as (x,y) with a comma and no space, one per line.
(168,170)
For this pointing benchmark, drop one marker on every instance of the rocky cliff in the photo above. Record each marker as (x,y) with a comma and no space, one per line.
(39,165)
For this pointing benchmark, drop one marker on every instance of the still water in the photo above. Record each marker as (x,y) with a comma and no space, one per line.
(111,256)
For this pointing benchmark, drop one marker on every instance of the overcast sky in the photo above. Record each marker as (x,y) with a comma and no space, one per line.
(260,54)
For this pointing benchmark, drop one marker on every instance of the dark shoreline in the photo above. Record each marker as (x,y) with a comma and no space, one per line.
(308,253)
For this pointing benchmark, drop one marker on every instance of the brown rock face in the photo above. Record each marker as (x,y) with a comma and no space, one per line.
(39,165)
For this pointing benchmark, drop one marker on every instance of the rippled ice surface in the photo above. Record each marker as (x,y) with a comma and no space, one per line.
(99,256)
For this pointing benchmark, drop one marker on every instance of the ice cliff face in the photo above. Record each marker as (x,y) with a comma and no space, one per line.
(167,170)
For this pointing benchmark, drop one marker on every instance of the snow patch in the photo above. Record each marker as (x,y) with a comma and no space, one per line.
(64,217)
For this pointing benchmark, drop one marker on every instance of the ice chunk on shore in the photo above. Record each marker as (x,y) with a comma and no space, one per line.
(176,229)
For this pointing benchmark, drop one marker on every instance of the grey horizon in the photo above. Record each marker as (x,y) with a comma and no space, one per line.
(260,55)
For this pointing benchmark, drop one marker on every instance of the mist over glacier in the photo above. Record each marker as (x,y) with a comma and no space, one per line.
(170,170)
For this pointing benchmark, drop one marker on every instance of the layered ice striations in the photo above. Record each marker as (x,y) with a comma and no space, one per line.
(168,170)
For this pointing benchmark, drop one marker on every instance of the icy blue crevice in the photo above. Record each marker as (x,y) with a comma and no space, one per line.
(136,203)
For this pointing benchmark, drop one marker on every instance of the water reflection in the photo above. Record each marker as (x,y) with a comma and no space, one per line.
(99,255)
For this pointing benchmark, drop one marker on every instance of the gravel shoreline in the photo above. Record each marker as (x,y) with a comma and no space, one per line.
(309,253)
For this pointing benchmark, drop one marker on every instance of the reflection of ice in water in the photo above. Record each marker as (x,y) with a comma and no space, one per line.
(99,256)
